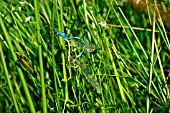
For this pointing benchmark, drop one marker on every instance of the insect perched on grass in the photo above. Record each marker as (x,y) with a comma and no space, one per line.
(90,78)
(77,42)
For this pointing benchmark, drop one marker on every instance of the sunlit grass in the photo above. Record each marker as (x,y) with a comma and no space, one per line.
(131,60)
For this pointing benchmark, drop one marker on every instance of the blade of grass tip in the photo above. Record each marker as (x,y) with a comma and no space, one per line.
(44,106)
(152,58)
(24,84)
(8,79)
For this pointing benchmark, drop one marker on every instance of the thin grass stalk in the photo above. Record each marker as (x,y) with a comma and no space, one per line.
(152,59)
(44,106)
(61,28)
(53,58)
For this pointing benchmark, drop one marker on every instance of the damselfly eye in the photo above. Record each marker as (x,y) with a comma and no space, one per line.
(56,34)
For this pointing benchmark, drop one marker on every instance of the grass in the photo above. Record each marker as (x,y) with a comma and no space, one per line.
(34,72)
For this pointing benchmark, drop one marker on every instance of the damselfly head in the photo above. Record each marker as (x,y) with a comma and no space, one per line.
(57,33)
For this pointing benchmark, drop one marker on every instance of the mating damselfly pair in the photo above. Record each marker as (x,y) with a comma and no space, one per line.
(90,48)
(78,41)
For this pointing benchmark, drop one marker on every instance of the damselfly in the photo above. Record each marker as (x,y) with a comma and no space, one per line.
(90,78)
(78,41)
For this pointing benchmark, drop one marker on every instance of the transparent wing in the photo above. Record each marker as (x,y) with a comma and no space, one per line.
(91,79)
(80,43)
(90,47)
